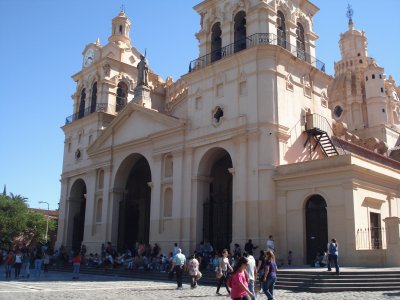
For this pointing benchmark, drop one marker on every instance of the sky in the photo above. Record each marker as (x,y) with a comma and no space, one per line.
(41,44)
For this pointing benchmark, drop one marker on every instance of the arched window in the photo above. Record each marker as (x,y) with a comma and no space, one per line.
(168,166)
(300,43)
(81,112)
(281,29)
(122,96)
(93,103)
(99,209)
(100,179)
(240,31)
(216,42)
(168,203)
(120,29)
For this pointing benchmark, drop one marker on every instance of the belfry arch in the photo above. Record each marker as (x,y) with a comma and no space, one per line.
(133,179)
(76,215)
(215,195)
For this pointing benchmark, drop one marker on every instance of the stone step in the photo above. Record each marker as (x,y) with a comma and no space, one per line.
(287,279)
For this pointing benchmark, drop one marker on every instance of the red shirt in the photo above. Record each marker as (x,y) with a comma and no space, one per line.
(76,259)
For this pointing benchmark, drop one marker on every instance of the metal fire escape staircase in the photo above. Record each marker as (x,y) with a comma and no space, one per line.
(317,128)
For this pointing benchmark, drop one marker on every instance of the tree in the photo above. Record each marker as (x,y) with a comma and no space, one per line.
(17,222)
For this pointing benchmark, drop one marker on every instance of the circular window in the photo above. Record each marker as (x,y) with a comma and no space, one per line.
(338,111)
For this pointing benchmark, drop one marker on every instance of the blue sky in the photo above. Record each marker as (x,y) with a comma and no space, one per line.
(41,47)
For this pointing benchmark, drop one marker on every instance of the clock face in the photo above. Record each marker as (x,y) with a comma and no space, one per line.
(88,58)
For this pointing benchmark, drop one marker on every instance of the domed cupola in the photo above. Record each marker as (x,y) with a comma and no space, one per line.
(120,29)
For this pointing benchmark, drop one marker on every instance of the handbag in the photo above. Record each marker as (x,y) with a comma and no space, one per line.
(198,275)
(219,274)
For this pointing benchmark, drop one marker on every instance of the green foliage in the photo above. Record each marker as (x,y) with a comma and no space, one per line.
(16,221)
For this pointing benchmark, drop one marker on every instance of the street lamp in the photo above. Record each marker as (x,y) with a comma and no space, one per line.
(47,223)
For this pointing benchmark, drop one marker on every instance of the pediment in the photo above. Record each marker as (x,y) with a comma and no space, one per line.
(135,124)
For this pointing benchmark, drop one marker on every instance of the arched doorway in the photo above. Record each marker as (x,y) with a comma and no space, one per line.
(217,202)
(134,208)
(316,226)
(76,214)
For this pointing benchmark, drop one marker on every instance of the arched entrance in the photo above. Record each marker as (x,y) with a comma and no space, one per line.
(217,201)
(134,208)
(316,226)
(76,214)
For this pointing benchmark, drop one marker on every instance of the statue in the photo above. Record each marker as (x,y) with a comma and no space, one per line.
(143,72)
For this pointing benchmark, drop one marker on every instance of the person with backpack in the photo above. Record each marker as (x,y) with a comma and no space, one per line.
(333,254)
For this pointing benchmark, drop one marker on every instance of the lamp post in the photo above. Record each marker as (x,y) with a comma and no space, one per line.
(47,223)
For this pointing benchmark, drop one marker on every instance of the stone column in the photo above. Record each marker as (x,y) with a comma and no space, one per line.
(392,241)
(116,195)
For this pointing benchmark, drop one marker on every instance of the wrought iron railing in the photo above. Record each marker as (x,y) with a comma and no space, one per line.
(371,238)
(100,107)
(320,122)
(252,41)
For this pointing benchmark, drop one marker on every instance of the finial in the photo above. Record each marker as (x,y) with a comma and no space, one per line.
(123,8)
(98,41)
(350,13)
(145,52)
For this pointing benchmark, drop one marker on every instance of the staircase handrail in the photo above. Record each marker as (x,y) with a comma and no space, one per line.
(330,127)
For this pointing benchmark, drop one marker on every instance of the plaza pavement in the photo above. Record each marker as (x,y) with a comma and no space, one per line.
(59,285)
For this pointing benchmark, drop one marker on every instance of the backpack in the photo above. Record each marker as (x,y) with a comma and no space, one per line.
(332,249)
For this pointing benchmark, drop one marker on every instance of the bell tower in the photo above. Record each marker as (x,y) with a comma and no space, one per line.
(121,26)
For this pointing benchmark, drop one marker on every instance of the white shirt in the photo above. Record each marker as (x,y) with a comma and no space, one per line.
(270,245)
(251,267)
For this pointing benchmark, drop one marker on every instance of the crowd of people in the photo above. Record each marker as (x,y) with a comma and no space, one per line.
(22,258)
(239,272)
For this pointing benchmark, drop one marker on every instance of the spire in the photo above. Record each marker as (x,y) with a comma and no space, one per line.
(349,14)
(5,191)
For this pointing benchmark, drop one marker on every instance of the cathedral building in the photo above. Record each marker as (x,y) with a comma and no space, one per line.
(254,140)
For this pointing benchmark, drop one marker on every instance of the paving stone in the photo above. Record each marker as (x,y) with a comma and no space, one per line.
(60,285)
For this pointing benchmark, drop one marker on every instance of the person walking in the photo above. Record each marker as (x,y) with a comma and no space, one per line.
(262,260)
(333,255)
(178,264)
(223,268)
(8,263)
(194,272)
(76,263)
(252,271)
(239,284)
(269,278)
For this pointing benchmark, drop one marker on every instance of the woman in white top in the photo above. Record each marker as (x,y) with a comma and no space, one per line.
(223,268)
(18,263)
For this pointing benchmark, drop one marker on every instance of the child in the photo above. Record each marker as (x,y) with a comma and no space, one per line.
(76,261)
(289,258)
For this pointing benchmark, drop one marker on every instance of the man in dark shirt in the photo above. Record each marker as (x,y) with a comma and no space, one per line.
(249,247)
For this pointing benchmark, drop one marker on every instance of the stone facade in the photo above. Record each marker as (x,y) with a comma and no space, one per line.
(233,149)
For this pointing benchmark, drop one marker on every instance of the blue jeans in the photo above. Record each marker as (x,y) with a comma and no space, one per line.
(268,287)
(335,259)
(251,289)
(38,266)
(76,269)
(8,270)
